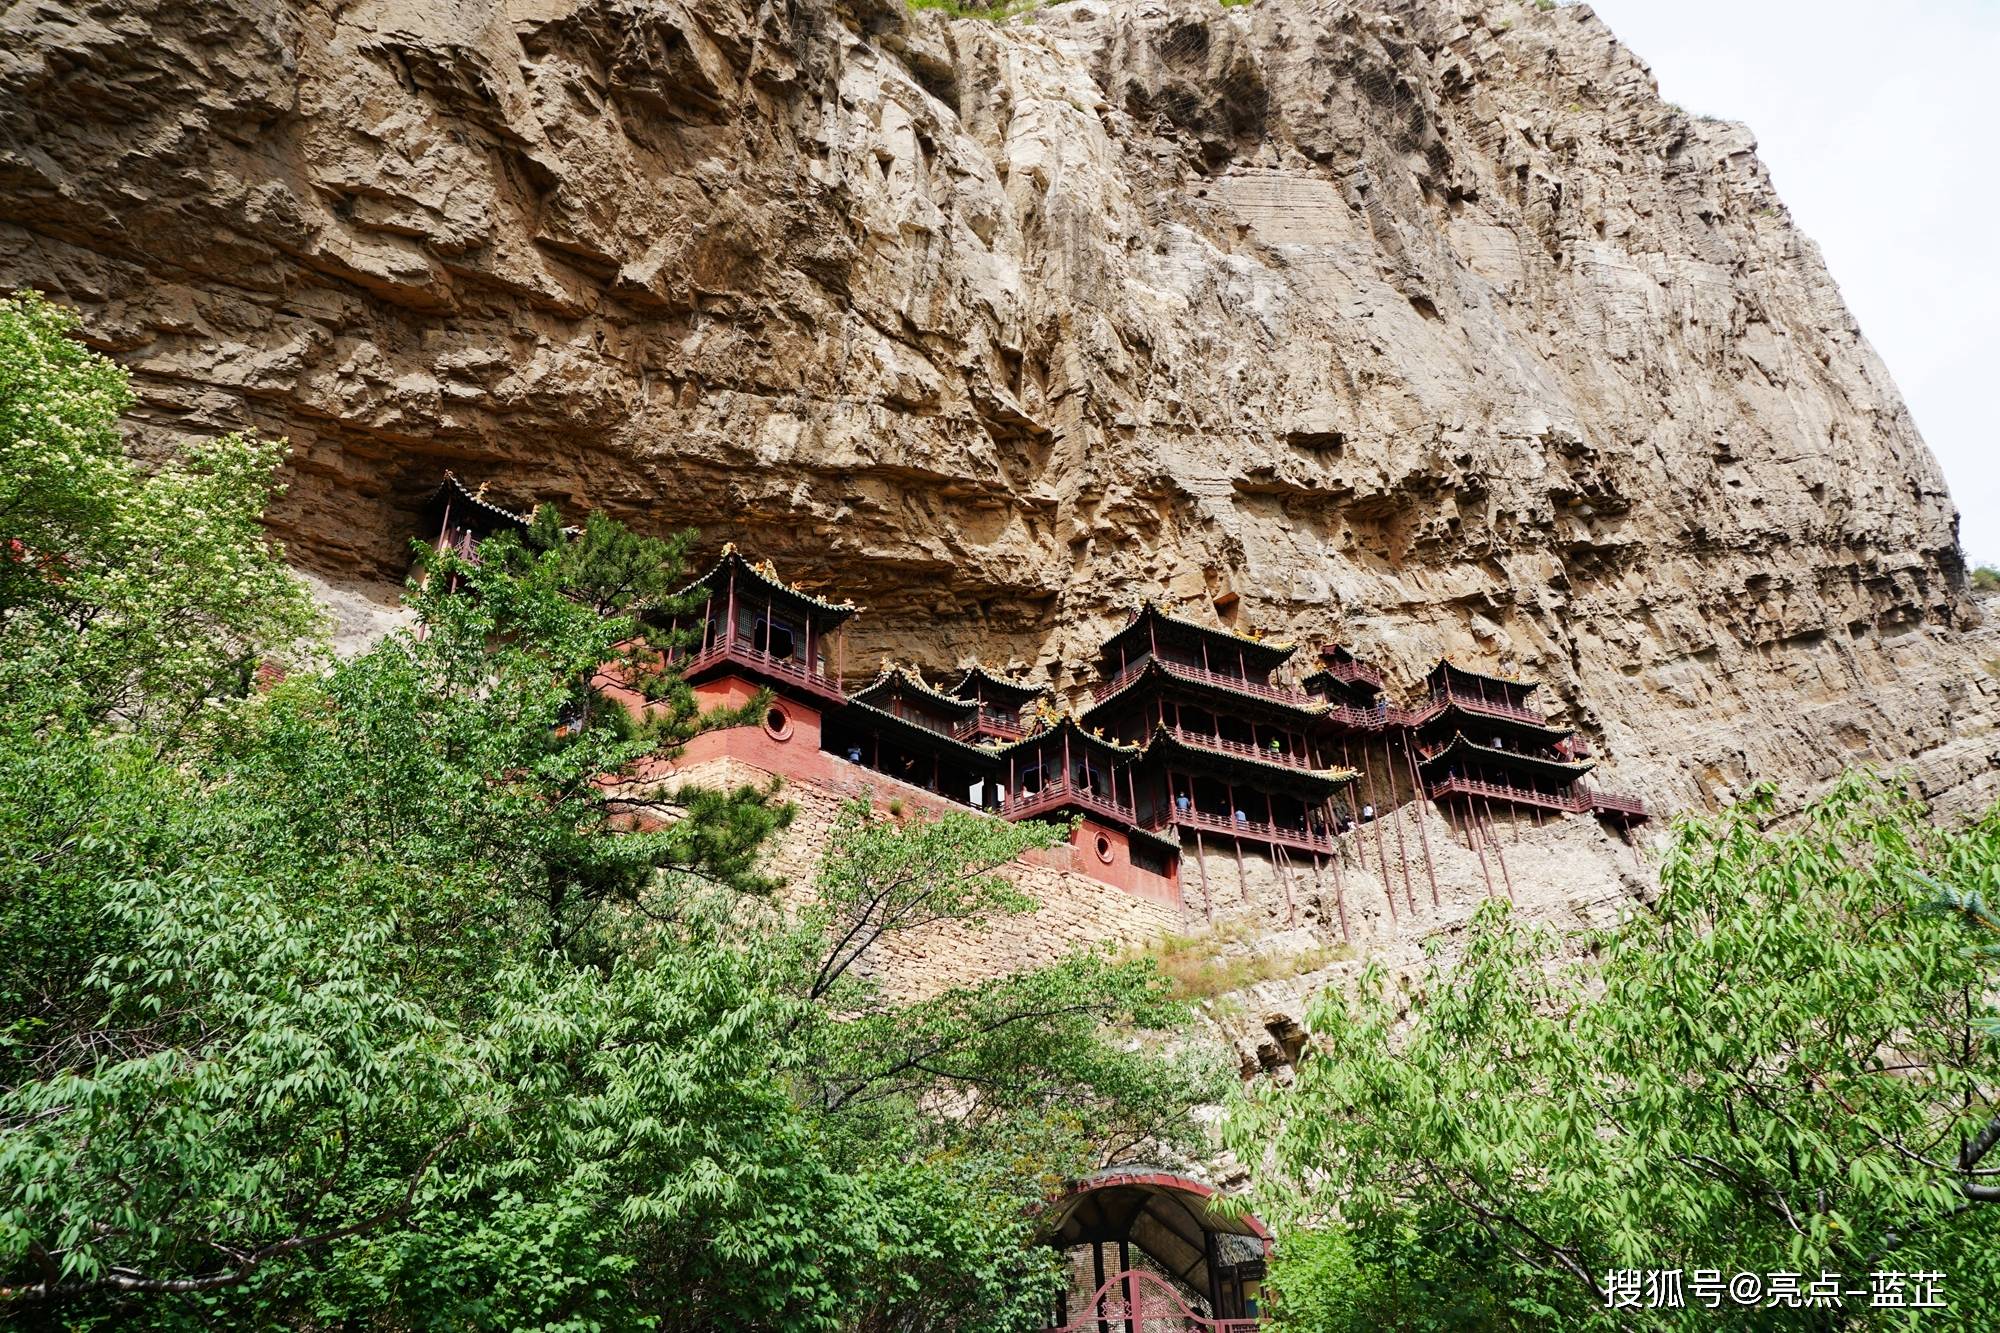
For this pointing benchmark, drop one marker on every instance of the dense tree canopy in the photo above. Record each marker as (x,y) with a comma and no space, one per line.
(1781,1066)
(342,1001)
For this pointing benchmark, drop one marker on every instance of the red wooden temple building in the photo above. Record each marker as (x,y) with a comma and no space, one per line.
(897,724)
(1228,754)
(1351,689)
(1189,739)
(1063,771)
(1003,704)
(752,625)
(1147,1251)
(1482,742)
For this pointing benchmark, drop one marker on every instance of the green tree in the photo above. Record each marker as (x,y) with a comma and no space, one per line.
(1777,1066)
(144,593)
(392,996)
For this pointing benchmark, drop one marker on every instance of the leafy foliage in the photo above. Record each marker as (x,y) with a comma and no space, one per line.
(394,996)
(1779,1066)
(144,594)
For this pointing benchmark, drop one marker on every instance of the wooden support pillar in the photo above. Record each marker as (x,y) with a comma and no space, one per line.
(1402,848)
(1201,863)
(1214,1273)
(1381,847)
(1499,855)
(1131,1287)
(729,624)
(1339,893)
(1472,840)
(1097,1283)
(1284,864)
(1422,800)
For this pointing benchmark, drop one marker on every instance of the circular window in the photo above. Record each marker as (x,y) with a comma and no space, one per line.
(778,723)
(1104,849)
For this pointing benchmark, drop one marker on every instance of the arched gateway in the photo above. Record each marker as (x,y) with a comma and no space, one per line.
(1147,1252)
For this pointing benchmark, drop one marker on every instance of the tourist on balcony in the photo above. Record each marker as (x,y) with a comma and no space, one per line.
(1181,804)
(1240,818)
(853,754)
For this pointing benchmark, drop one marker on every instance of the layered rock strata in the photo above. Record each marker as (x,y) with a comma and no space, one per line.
(1427,325)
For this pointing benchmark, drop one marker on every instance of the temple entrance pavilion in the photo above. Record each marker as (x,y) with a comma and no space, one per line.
(1147,1250)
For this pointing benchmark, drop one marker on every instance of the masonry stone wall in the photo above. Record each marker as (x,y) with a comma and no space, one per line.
(1073,909)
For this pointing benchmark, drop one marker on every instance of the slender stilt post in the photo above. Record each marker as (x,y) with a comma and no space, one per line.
(1131,1287)
(1339,893)
(1402,847)
(1422,799)
(1201,864)
(1381,848)
(1284,864)
(1499,855)
(1472,840)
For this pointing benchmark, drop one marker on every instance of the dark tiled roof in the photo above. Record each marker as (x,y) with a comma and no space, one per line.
(918,730)
(1264,652)
(452,491)
(1068,722)
(1017,690)
(1156,668)
(1459,745)
(1447,665)
(764,575)
(893,678)
(1324,781)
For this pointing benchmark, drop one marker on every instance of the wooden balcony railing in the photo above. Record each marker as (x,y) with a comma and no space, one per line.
(1577,801)
(1353,672)
(1472,703)
(1004,726)
(1056,794)
(1141,1302)
(1258,829)
(1616,803)
(1363,719)
(1202,676)
(737,650)
(1567,802)
(1261,753)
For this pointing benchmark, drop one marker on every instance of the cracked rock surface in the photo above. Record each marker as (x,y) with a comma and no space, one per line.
(1429,325)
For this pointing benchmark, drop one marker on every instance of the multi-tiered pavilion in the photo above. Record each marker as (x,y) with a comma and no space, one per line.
(1228,753)
(1188,740)
(1481,742)
(1005,706)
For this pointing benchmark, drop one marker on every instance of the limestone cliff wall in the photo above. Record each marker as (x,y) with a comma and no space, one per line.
(1426,324)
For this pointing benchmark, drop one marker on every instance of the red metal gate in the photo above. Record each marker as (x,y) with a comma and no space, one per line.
(1136,1301)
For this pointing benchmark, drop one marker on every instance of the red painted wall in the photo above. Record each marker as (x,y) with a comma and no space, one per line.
(791,751)
(1118,871)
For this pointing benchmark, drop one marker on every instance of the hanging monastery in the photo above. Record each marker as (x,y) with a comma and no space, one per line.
(1196,782)
(1193,759)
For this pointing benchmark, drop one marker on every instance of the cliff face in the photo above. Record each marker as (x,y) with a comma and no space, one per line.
(1434,328)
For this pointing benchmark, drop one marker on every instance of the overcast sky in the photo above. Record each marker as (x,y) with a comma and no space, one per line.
(1880,125)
